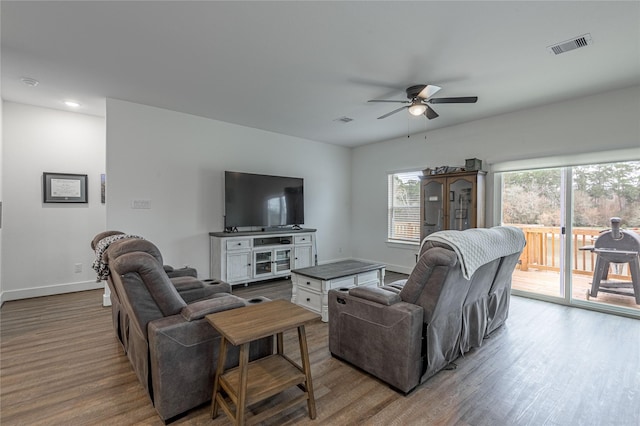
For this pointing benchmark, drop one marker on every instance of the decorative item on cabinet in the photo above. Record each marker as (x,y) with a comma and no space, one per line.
(472,164)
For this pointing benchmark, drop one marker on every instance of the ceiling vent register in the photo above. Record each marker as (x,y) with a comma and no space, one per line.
(566,46)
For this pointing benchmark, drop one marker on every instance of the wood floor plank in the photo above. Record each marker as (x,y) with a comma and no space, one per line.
(60,364)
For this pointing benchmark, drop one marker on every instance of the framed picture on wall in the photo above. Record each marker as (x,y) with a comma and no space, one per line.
(64,188)
(103,188)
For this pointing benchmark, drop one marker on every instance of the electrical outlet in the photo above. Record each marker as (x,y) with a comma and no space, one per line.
(77,268)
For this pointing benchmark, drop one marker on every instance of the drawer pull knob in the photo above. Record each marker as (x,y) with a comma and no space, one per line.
(308,300)
(308,283)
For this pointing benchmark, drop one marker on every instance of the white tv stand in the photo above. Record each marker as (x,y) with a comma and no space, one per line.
(244,257)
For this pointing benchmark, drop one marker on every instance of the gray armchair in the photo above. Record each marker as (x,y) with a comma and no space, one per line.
(171,346)
(456,295)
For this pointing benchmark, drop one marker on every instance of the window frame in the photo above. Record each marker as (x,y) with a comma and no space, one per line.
(414,237)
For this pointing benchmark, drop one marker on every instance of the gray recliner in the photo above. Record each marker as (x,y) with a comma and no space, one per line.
(170,344)
(184,280)
(456,295)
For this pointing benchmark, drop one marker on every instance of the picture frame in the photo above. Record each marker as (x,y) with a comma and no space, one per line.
(461,213)
(103,188)
(64,188)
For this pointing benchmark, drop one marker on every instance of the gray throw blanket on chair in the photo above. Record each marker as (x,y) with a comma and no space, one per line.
(477,246)
(101,268)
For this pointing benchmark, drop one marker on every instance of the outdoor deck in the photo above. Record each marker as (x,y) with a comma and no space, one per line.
(547,282)
(539,268)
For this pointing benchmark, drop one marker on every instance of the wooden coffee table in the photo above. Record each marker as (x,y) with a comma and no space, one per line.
(255,381)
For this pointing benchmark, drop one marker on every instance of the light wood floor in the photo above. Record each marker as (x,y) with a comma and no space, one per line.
(550,365)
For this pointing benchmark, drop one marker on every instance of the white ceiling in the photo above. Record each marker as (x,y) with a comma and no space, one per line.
(295,67)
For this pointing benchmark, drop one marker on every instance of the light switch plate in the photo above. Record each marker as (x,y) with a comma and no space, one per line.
(141,204)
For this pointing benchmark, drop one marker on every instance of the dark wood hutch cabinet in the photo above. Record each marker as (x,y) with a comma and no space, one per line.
(452,201)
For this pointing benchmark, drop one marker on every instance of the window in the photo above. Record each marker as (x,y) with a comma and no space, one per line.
(404,206)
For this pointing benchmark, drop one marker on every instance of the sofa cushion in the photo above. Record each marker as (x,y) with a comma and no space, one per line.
(186,283)
(422,271)
(197,310)
(375,294)
(160,288)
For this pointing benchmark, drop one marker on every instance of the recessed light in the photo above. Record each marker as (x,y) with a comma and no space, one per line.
(29,81)
(72,104)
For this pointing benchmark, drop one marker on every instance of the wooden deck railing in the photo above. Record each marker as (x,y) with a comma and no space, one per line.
(542,251)
(406,230)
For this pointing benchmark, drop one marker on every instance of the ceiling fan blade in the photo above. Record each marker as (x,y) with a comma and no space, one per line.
(384,100)
(430,113)
(460,100)
(428,91)
(392,112)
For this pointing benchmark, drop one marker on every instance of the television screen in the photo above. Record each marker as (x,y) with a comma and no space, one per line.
(262,200)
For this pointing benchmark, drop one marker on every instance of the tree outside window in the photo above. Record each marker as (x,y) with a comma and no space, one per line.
(600,191)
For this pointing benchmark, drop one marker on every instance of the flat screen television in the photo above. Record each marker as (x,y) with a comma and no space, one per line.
(262,200)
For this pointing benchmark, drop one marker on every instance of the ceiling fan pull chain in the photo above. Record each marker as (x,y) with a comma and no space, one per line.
(425,127)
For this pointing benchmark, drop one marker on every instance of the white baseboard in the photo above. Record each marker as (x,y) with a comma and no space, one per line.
(27,293)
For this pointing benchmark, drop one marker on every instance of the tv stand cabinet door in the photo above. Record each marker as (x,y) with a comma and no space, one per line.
(303,256)
(238,267)
(303,253)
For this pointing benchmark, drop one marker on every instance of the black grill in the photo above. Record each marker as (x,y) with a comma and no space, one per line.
(616,246)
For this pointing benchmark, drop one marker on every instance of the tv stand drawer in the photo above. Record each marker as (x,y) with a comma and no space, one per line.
(243,244)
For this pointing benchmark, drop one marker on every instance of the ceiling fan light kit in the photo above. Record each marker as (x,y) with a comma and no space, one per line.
(417,108)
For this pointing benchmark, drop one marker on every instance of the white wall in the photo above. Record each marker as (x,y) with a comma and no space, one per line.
(1,175)
(41,243)
(177,162)
(603,122)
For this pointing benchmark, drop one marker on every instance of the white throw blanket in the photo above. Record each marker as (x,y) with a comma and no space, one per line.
(475,247)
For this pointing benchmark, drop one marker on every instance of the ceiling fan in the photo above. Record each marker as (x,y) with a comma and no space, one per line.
(421,95)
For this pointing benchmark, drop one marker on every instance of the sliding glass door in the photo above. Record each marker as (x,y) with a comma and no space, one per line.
(534,201)
(600,192)
(562,211)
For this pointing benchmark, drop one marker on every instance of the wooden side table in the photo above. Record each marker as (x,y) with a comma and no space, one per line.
(255,381)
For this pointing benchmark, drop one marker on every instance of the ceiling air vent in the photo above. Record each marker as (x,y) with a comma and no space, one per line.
(344,119)
(565,46)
